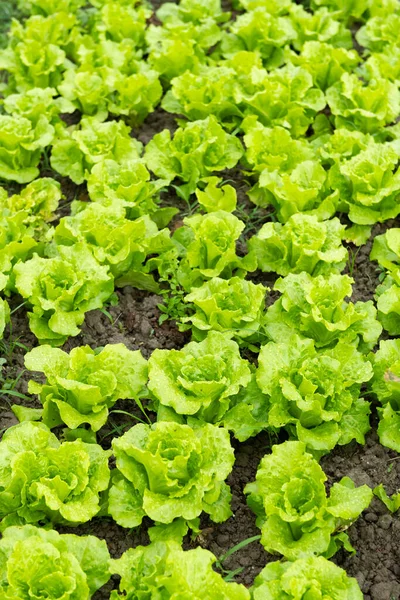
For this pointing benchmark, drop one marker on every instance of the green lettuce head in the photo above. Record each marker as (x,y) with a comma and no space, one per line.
(36,102)
(235,306)
(261,32)
(122,21)
(61,290)
(33,64)
(21,147)
(208,245)
(290,177)
(318,25)
(38,202)
(386,387)
(284,97)
(116,242)
(43,480)
(82,386)
(314,394)
(168,470)
(180,46)
(315,307)
(305,577)
(365,108)
(163,569)
(303,244)
(368,184)
(296,517)
(75,154)
(200,379)
(196,151)
(325,63)
(42,564)
(129,185)
(208,92)
(380,31)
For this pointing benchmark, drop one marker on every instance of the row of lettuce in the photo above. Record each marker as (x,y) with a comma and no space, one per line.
(318,340)
(170,472)
(280,93)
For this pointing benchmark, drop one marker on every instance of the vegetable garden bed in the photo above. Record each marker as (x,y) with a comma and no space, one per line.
(254,189)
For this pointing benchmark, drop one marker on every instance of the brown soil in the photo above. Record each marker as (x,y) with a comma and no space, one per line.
(376,535)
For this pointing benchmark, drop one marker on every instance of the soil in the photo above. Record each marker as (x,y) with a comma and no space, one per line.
(134,322)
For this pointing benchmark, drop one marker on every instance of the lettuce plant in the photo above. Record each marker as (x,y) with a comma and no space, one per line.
(290,178)
(259,31)
(208,246)
(40,563)
(383,65)
(196,151)
(21,147)
(32,64)
(36,53)
(106,90)
(302,244)
(119,22)
(368,184)
(174,572)
(61,290)
(341,145)
(179,46)
(43,480)
(88,90)
(296,517)
(130,185)
(56,29)
(380,31)
(116,242)
(235,306)
(314,394)
(325,63)
(82,386)
(319,25)
(284,97)
(210,91)
(38,203)
(36,102)
(365,108)
(351,10)
(386,387)
(305,577)
(75,154)
(315,307)
(200,379)
(189,31)
(168,470)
